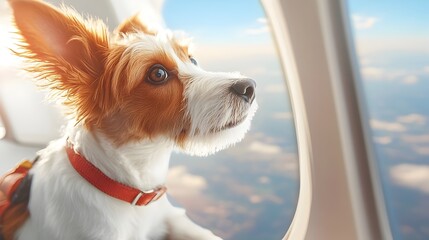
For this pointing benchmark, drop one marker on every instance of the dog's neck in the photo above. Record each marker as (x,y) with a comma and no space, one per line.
(142,165)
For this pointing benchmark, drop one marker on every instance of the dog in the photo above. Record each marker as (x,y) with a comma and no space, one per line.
(132,97)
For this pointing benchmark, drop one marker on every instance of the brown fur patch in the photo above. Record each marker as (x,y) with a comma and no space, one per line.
(134,25)
(181,50)
(102,84)
(145,110)
(66,51)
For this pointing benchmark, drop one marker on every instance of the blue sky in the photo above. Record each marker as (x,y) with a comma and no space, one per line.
(395,18)
(211,15)
(392,40)
(215,21)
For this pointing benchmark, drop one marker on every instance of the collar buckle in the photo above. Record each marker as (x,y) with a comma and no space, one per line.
(151,196)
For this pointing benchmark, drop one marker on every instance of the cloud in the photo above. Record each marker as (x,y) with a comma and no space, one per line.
(183,185)
(365,61)
(264,148)
(412,119)
(262,20)
(257,31)
(387,126)
(254,195)
(188,191)
(255,199)
(422,151)
(263,28)
(411,176)
(410,79)
(264,180)
(275,88)
(416,138)
(381,45)
(282,115)
(372,73)
(426,69)
(248,54)
(383,140)
(363,22)
(258,60)
(261,150)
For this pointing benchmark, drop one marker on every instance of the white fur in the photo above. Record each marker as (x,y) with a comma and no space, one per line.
(211,106)
(65,206)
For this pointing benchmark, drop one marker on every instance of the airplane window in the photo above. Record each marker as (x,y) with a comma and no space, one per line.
(246,192)
(249,191)
(392,47)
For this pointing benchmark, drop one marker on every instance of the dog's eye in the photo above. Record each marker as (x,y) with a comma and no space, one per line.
(193,61)
(157,74)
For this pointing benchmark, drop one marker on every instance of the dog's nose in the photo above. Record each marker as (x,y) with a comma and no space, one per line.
(245,88)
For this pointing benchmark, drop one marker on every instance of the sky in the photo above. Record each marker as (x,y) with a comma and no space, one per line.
(218,21)
(392,47)
(392,18)
(250,191)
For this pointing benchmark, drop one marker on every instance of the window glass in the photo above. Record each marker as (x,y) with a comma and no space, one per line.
(392,41)
(249,191)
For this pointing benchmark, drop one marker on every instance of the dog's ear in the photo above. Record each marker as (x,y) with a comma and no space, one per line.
(53,35)
(65,50)
(134,25)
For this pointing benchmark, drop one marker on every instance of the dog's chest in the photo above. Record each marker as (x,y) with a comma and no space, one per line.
(65,206)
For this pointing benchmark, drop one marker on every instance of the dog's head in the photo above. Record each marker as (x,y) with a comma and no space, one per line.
(135,83)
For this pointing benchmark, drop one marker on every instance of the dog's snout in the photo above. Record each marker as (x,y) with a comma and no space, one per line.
(245,89)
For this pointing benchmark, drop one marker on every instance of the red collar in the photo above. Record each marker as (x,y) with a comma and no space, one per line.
(109,186)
